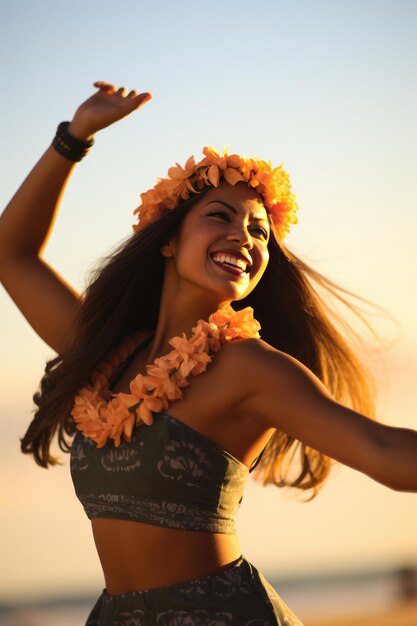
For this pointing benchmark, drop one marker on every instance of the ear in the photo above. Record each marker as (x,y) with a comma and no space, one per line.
(166,250)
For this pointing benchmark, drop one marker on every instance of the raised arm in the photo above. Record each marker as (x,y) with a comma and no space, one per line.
(46,300)
(282,393)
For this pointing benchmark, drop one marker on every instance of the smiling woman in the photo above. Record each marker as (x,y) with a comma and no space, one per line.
(160,487)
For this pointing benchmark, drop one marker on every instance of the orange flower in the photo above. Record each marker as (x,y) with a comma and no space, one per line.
(221,317)
(212,333)
(119,419)
(232,176)
(242,163)
(140,386)
(189,353)
(149,404)
(213,157)
(180,173)
(160,381)
(128,399)
(87,405)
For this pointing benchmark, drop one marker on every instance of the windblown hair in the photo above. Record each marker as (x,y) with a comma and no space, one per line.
(123,296)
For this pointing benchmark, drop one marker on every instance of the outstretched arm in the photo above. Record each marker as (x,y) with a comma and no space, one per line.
(46,300)
(284,394)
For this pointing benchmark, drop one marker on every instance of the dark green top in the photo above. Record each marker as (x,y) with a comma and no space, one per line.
(169,475)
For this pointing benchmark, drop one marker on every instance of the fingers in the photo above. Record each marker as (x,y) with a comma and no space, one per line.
(133,94)
(135,102)
(140,100)
(143,97)
(109,87)
(101,84)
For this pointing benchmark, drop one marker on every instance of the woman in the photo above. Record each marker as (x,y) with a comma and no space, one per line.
(161,472)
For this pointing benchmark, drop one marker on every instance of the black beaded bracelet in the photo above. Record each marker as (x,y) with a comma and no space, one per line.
(69,146)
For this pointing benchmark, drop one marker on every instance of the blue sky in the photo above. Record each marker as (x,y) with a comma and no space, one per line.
(326,87)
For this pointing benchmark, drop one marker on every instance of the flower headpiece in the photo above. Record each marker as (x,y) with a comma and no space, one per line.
(272,184)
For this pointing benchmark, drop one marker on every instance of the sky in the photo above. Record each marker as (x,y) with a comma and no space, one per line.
(327,88)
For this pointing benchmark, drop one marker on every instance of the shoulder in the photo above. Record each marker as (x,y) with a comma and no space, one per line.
(259,371)
(256,355)
(249,346)
(252,353)
(269,377)
(247,360)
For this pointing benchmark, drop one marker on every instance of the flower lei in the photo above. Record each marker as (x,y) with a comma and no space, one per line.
(101,415)
(272,184)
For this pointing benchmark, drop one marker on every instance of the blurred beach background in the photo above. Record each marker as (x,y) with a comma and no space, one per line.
(328,88)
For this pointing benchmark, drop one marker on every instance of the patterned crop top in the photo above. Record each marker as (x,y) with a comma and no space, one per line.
(169,475)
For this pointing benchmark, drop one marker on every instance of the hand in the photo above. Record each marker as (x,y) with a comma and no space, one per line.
(105,107)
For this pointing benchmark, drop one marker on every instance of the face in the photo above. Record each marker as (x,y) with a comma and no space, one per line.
(211,226)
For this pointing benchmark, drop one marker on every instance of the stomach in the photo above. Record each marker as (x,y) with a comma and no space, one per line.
(137,556)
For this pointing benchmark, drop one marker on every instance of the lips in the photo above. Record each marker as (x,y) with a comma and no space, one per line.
(231,270)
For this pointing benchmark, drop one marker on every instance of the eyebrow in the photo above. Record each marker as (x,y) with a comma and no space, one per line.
(232,208)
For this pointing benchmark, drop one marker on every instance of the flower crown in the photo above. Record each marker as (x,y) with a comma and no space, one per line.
(272,184)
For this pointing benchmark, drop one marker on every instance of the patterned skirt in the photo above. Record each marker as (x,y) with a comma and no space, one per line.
(237,595)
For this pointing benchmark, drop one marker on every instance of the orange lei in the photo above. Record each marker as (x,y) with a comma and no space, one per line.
(101,415)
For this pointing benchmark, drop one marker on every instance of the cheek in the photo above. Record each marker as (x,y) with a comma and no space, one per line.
(192,249)
(263,259)
(197,238)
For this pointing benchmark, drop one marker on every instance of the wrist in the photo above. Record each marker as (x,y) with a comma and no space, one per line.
(77,130)
(69,145)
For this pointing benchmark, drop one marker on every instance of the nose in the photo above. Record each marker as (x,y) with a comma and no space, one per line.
(241,234)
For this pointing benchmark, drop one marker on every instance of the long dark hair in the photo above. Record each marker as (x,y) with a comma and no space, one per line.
(123,296)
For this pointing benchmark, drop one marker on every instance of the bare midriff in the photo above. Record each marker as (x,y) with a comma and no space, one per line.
(136,556)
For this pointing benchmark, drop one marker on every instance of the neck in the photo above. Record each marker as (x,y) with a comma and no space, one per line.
(179,321)
(179,311)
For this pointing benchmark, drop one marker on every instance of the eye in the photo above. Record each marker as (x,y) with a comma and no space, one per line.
(263,231)
(219,213)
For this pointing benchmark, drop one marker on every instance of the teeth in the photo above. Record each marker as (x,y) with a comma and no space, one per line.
(221,258)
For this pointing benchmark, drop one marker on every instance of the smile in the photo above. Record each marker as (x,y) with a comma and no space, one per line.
(235,271)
